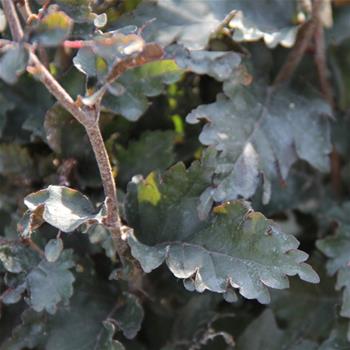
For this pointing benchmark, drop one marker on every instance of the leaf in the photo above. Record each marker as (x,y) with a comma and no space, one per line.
(30,334)
(220,65)
(336,247)
(13,63)
(79,10)
(253,136)
(192,23)
(87,325)
(47,283)
(98,234)
(106,341)
(53,249)
(234,247)
(129,316)
(267,20)
(50,283)
(263,333)
(16,161)
(62,207)
(139,83)
(154,150)
(302,306)
(52,29)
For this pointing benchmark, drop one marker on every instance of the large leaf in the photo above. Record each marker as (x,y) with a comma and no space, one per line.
(52,29)
(254,135)
(192,23)
(234,247)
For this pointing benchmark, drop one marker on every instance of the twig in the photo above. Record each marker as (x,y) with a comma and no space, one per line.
(88,117)
(304,37)
(336,172)
(321,63)
(13,20)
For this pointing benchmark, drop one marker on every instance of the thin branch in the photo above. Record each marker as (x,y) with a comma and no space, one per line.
(321,63)
(13,20)
(304,38)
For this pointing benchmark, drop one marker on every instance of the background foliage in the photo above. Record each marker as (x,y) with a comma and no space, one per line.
(230,151)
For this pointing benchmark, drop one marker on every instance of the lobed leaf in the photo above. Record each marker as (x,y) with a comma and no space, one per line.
(234,247)
(254,136)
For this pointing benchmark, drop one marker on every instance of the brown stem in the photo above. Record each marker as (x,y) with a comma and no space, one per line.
(321,63)
(105,168)
(297,53)
(13,20)
(88,117)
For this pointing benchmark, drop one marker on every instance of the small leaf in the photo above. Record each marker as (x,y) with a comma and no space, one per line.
(100,20)
(62,207)
(52,29)
(50,283)
(129,316)
(53,249)
(13,63)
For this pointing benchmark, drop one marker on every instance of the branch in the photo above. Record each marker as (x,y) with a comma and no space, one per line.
(85,115)
(321,63)
(304,37)
(13,20)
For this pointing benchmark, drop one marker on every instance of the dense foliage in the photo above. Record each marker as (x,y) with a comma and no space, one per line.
(226,124)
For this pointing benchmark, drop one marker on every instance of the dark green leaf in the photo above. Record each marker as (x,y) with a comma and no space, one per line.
(234,247)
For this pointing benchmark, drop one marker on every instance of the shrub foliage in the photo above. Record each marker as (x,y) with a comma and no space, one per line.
(174,174)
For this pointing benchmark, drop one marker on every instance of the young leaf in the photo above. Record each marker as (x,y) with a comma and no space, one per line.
(202,20)
(52,29)
(234,247)
(154,150)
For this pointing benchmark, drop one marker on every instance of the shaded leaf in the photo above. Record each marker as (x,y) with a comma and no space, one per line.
(263,333)
(13,63)
(154,150)
(219,65)
(234,246)
(79,10)
(50,283)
